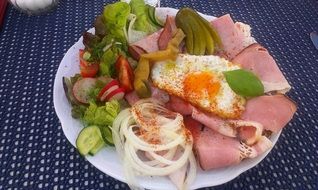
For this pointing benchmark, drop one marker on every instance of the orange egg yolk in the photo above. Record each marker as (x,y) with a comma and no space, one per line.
(195,85)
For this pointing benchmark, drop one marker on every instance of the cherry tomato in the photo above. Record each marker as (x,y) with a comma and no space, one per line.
(87,69)
(125,73)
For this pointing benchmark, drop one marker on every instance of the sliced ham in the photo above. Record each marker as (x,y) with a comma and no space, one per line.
(213,150)
(262,145)
(178,105)
(132,98)
(273,112)
(234,37)
(264,112)
(245,30)
(167,33)
(156,93)
(149,43)
(247,131)
(258,60)
(136,51)
(214,122)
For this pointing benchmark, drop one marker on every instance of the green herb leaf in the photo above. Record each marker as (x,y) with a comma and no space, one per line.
(244,83)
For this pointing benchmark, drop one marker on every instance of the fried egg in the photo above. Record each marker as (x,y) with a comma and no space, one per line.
(200,81)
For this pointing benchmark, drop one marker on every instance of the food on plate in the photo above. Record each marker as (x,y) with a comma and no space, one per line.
(201,36)
(175,94)
(258,60)
(152,140)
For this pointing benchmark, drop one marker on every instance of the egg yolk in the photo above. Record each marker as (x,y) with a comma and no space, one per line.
(196,84)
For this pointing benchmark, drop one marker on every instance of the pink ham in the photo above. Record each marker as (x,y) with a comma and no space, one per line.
(136,51)
(262,145)
(273,112)
(167,33)
(258,60)
(149,43)
(233,36)
(214,122)
(213,150)
(156,93)
(178,105)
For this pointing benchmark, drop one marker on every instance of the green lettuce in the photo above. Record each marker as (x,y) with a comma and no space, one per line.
(93,92)
(106,67)
(101,115)
(142,23)
(115,18)
(78,111)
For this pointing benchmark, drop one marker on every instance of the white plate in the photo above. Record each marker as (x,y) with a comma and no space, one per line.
(107,160)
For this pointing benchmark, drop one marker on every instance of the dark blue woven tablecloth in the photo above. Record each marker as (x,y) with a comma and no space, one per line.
(34,154)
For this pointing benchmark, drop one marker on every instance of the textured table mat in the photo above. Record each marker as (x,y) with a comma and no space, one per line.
(34,154)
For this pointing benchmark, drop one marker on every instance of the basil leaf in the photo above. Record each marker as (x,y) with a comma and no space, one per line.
(244,83)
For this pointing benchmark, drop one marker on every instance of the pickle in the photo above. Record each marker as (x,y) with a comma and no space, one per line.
(208,26)
(199,41)
(208,38)
(186,28)
(184,19)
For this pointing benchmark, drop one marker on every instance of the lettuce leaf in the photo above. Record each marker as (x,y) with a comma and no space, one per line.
(78,111)
(138,7)
(93,92)
(101,115)
(106,67)
(115,17)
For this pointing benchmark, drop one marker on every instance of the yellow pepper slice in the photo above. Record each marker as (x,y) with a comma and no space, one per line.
(143,68)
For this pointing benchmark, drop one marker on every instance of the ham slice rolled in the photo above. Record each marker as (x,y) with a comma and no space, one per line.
(273,112)
(258,60)
(214,122)
(215,150)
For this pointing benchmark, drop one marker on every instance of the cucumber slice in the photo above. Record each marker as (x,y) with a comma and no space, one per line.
(88,139)
(96,148)
(152,15)
(107,135)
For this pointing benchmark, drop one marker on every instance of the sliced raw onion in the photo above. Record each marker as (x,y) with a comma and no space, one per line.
(151,130)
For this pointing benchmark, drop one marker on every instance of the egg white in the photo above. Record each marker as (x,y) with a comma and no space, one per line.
(170,76)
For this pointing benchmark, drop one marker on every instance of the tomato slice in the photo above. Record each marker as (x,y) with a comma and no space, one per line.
(87,69)
(125,73)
